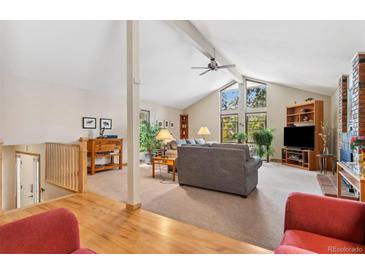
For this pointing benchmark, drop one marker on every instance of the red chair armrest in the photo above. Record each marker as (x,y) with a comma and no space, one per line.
(55,231)
(288,249)
(331,217)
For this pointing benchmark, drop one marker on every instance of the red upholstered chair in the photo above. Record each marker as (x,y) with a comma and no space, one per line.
(52,232)
(318,224)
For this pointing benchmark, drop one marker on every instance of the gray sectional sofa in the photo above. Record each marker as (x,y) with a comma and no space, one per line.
(222,167)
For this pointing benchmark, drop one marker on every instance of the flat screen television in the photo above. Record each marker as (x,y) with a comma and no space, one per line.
(300,137)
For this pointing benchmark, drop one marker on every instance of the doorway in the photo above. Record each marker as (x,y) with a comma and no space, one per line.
(27,179)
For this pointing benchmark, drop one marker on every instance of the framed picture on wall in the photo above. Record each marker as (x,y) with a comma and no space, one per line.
(88,122)
(144,115)
(172,124)
(105,123)
(159,123)
(167,123)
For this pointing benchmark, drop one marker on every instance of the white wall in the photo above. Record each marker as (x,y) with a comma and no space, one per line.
(278,97)
(161,113)
(206,112)
(9,185)
(35,112)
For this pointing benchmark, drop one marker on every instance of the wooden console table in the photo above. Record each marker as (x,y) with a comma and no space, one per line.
(354,174)
(104,148)
(164,161)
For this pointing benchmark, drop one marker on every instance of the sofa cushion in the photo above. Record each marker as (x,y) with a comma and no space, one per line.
(83,251)
(200,141)
(181,142)
(190,141)
(51,232)
(320,244)
(288,249)
(244,147)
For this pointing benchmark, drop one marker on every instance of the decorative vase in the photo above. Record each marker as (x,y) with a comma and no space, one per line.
(325,150)
(361,156)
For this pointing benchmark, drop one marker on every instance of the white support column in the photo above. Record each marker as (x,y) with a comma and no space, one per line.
(133,196)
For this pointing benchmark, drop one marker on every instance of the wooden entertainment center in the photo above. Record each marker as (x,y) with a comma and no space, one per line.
(306,114)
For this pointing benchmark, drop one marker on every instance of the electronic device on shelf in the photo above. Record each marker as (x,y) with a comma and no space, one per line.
(299,137)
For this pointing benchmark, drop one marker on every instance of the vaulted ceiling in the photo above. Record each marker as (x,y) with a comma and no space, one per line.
(309,55)
(91,55)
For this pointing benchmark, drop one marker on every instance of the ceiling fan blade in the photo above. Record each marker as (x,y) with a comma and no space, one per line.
(204,72)
(226,66)
(199,67)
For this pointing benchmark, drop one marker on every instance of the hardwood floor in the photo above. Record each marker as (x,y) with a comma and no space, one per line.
(107,227)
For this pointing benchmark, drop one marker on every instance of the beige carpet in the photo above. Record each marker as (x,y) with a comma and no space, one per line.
(257,219)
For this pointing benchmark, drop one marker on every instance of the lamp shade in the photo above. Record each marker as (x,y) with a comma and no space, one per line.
(164,135)
(203,131)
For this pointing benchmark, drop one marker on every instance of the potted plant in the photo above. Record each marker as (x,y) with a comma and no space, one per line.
(241,137)
(263,139)
(147,140)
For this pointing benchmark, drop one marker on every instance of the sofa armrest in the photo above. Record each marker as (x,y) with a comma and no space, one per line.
(331,217)
(252,165)
(51,232)
(288,249)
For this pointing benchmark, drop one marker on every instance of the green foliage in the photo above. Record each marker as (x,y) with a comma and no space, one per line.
(229,128)
(256,97)
(263,139)
(241,137)
(147,137)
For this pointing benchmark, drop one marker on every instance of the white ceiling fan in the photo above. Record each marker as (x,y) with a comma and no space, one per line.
(213,66)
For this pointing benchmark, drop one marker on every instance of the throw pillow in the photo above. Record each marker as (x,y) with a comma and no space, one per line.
(190,141)
(200,141)
(181,142)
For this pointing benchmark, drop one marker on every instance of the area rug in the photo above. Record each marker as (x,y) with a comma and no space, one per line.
(259,219)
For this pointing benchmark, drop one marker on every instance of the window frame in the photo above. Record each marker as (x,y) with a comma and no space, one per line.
(250,109)
(221,126)
(221,90)
(246,122)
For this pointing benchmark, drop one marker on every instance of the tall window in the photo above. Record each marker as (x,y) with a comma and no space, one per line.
(254,122)
(229,98)
(229,127)
(229,112)
(255,95)
(243,110)
(256,117)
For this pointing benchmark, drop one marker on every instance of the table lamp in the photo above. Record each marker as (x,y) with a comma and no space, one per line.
(165,136)
(204,131)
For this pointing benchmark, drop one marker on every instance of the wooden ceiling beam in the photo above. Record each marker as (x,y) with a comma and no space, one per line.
(203,45)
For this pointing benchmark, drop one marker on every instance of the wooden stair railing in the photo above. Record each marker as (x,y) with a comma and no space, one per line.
(66,165)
